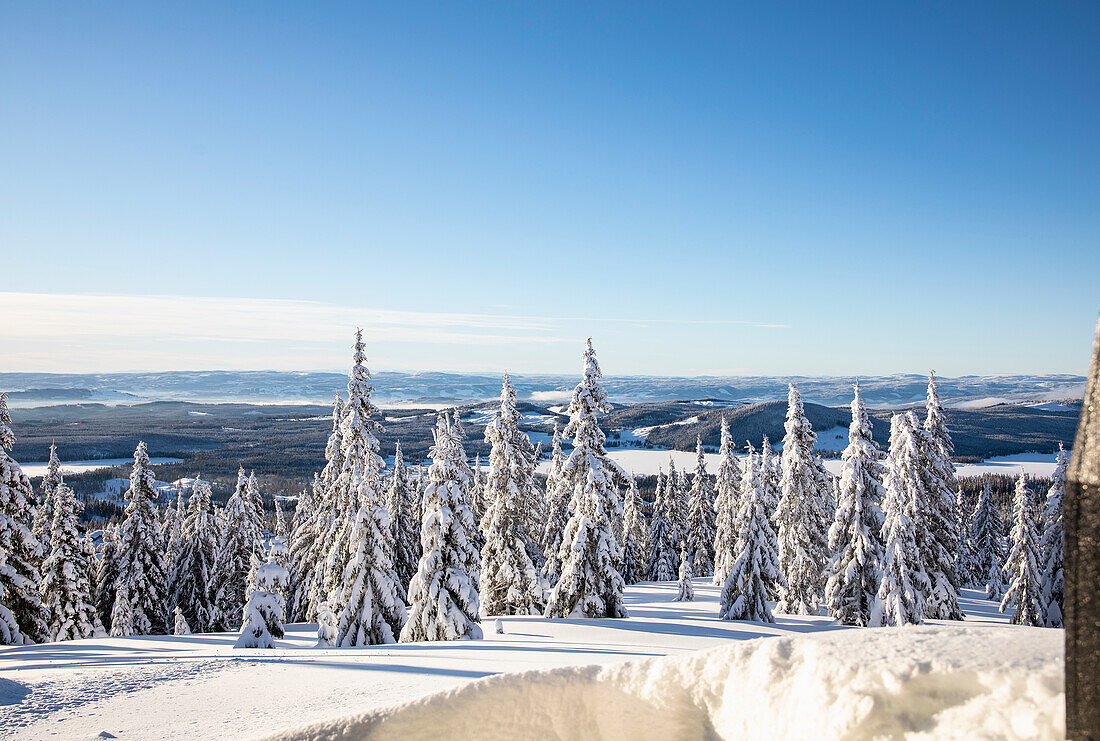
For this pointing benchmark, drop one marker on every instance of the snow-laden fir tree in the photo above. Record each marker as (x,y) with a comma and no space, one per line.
(662,565)
(326,626)
(312,546)
(400,499)
(236,559)
(558,512)
(1052,547)
(370,597)
(281,530)
(855,536)
(264,611)
(170,526)
(803,546)
(936,528)
(179,623)
(141,566)
(66,584)
(444,590)
(255,501)
(633,536)
(965,560)
(43,513)
(1024,593)
(303,534)
(685,589)
(20,551)
(590,584)
(727,502)
(754,573)
(700,517)
(900,599)
(510,584)
(122,614)
(772,470)
(92,560)
(676,509)
(192,584)
(987,542)
(107,576)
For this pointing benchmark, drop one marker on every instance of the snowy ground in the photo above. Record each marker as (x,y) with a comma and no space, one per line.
(199,686)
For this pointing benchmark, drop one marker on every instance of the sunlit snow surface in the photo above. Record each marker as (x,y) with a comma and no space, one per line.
(200,687)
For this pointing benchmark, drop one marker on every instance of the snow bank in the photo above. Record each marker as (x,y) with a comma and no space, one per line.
(929,682)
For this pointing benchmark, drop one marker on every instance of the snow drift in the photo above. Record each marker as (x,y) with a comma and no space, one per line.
(927,682)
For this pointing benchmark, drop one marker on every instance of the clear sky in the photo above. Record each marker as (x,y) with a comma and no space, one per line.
(772,188)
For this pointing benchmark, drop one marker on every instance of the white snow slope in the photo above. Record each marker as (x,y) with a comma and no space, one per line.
(170,687)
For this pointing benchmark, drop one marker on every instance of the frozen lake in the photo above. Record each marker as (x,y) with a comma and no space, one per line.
(39,469)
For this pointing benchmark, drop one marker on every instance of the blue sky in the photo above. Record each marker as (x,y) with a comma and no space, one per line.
(821,188)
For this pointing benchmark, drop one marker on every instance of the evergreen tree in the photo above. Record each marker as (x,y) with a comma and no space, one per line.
(264,611)
(803,548)
(590,583)
(754,572)
(633,536)
(900,599)
(855,537)
(1052,547)
(772,471)
(700,517)
(327,520)
(66,587)
(107,575)
(675,511)
(406,528)
(558,512)
(179,623)
(965,560)
(444,591)
(727,502)
(936,528)
(170,527)
(255,501)
(20,552)
(193,590)
(122,614)
(509,582)
(302,537)
(43,513)
(662,564)
(1022,567)
(686,591)
(369,595)
(235,560)
(987,543)
(141,555)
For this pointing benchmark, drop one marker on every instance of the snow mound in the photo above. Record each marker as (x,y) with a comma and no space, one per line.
(917,683)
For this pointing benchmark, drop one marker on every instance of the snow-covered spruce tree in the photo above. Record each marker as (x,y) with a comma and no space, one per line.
(558,512)
(310,559)
(66,587)
(1022,567)
(20,551)
(987,542)
(43,513)
(700,517)
(685,589)
(510,585)
(803,546)
(235,560)
(92,560)
(281,530)
(900,599)
(964,556)
(170,528)
(264,611)
(676,512)
(326,626)
(255,501)
(122,614)
(936,528)
(727,502)
(444,590)
(1052,547)
(400,500)
(590,584)
(772,470)
(754,572)
(192,585)
(633,536)
(662,565)
(855,536)
(140,553)
(107,576)
(303,533)
(179,623)
(370,598)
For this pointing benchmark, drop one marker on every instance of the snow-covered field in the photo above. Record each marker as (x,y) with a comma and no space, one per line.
(39,469)
(646,462)
(171,687)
